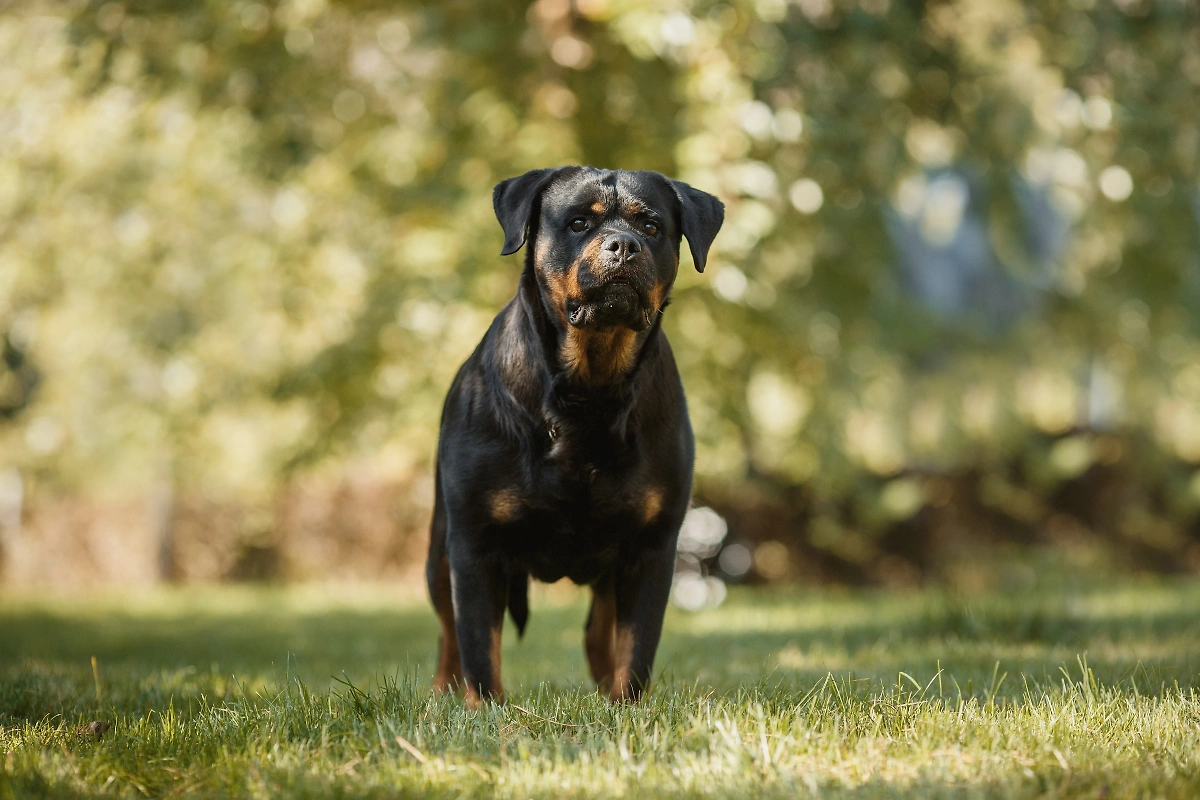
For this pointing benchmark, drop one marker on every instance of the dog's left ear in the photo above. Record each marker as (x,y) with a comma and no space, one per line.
(513,201)
(702,215)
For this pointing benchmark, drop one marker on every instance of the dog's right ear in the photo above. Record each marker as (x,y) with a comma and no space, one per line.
(513,201)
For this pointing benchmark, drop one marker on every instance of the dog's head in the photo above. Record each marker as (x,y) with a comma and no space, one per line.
(605,243)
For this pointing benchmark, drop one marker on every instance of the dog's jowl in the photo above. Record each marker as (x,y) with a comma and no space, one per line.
(565,447)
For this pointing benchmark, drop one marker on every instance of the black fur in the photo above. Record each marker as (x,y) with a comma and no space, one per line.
(554,464)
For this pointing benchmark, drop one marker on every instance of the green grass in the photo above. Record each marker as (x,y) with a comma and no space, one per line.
(1063,691)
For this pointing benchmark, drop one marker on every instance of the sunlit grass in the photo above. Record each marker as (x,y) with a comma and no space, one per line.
(1084,691)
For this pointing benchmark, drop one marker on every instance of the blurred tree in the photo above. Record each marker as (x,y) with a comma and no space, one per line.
(238,239)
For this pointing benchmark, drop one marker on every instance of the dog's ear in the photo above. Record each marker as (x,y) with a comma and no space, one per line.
(513,201)
(702,215)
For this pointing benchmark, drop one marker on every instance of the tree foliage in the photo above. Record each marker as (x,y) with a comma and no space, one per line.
(242,239)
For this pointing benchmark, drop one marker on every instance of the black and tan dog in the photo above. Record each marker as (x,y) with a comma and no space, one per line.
(565,444)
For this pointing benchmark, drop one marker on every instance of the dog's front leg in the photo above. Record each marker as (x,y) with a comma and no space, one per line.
(599,634)
(478,585)
(642,591)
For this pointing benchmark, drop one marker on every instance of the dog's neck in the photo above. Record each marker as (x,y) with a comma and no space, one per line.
(591,361)
(585,386)
(599,358)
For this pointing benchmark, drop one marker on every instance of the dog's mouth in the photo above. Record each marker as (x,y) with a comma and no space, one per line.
(615,303)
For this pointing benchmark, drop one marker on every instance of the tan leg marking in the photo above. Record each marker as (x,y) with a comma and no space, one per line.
(495,692)
(598,638)
(622,685)
(448,676)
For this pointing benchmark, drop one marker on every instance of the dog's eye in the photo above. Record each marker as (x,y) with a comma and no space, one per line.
(579,225)
(650,228)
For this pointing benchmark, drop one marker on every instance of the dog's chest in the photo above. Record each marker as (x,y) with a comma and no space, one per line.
(583,492)
(574,519)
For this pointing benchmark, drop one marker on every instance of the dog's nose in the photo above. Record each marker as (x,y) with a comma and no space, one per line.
(622,245)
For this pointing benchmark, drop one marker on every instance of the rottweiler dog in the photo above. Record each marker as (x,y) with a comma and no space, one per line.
(565,447)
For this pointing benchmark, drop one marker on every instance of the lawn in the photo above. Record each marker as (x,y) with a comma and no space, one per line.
(1057,688)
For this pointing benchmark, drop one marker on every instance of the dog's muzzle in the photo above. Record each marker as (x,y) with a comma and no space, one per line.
(613,304)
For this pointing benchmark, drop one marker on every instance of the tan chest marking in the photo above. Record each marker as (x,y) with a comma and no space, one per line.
(652,502)
(594,357)
(504,505)
(599,357)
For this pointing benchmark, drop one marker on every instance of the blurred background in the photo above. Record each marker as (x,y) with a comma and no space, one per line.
(949,328)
